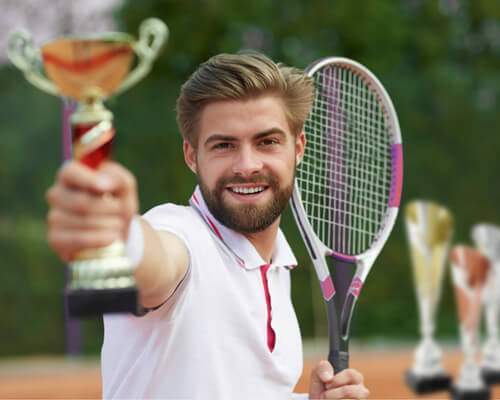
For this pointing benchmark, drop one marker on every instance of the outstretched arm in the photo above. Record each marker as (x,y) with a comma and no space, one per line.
(92,208)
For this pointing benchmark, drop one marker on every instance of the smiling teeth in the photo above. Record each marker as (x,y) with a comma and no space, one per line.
(247,190)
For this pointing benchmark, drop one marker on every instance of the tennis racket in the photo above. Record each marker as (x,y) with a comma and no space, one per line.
(347,187)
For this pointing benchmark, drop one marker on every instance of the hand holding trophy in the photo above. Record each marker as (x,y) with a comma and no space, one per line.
(469,272)
(487,240)
(429,229)
(90,69)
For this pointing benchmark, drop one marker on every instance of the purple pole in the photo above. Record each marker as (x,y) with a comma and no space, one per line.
(72,326)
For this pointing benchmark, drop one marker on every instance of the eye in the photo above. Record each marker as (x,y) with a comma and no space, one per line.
(222,146)
(269,142)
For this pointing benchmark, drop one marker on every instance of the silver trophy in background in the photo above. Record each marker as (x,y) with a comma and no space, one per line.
(430,229)
(486,237)
(470,271)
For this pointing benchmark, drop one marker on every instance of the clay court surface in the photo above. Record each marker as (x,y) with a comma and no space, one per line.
(60,378)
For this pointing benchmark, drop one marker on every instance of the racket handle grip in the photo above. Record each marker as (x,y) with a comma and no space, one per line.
(339,360)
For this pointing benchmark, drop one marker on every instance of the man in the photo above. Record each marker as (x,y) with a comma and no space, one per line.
(215,275)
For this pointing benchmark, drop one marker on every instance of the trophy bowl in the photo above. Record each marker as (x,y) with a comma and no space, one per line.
(76,65)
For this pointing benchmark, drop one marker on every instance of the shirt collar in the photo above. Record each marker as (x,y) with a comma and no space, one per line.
(244,251)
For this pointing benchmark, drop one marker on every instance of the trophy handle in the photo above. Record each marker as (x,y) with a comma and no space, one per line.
(27,58)
(153,33)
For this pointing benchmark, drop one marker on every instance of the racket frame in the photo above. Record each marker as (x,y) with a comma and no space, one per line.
(364,261)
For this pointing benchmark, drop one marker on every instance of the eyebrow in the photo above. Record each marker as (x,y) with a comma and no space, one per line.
(228,138)
(271,131)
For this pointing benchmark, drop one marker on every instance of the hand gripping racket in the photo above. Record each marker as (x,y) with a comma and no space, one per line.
(347,187)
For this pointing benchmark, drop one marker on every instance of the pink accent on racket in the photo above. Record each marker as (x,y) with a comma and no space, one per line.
(397,175)
(356,286)
(327,288)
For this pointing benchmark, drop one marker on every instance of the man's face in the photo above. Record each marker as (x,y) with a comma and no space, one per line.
(245,161)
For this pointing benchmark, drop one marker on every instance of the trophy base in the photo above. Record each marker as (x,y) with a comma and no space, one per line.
(475,394)
(87,302)
(421,384)
(490,376)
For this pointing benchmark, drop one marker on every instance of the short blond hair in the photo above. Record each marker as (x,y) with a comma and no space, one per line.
(241,77)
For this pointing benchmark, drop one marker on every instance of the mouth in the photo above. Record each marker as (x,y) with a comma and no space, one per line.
(247,190)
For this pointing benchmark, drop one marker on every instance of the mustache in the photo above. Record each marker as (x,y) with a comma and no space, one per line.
(236,179)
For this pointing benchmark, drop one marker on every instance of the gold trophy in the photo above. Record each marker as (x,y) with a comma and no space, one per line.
(90,69)
(486,237)
(429,229)
(469,270)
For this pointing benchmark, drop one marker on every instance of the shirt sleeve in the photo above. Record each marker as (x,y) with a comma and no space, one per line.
(173,219)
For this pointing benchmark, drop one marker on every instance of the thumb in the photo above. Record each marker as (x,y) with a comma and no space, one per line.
(115,177)
(320,376)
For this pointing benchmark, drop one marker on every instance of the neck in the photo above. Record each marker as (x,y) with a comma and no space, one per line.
(264,241)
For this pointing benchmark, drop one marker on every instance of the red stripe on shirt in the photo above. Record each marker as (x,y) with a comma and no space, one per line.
(214,228)
(271,335)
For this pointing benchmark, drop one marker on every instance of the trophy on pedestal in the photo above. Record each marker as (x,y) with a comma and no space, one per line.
(486,237)
(429,229)
(469,270)
(90,69)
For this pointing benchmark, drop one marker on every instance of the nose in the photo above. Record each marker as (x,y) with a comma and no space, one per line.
(247,162)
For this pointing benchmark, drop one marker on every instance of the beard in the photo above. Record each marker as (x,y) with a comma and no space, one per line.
(246,218)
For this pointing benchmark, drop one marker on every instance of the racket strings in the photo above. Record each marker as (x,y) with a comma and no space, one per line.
(345,176)
(325,147)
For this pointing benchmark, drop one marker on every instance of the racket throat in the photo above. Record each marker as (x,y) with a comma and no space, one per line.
(338,354)
(345,274)
(346,316)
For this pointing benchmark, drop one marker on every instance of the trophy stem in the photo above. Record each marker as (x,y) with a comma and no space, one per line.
(491,348)
(102,278)
(470,373)
(491,312)
(426,318)
(469,342)
(491,306)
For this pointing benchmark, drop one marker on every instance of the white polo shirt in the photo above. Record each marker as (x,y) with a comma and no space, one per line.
(228,332)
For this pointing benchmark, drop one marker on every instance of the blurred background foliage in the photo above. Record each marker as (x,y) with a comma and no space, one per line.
(439,60)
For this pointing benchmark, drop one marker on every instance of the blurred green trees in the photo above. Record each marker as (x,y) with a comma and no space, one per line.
(439,60)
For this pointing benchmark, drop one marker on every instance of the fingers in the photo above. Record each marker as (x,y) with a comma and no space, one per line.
(347,392)
(79,189)
(125,186)
(320,376)
(82,203)
(90,208)
(76,175)
(111,177)
(347,384)
(116,176)
(67,220)
(67,242)
(345,377)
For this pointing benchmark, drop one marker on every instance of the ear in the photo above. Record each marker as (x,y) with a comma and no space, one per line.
(190,156)
(300,146)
